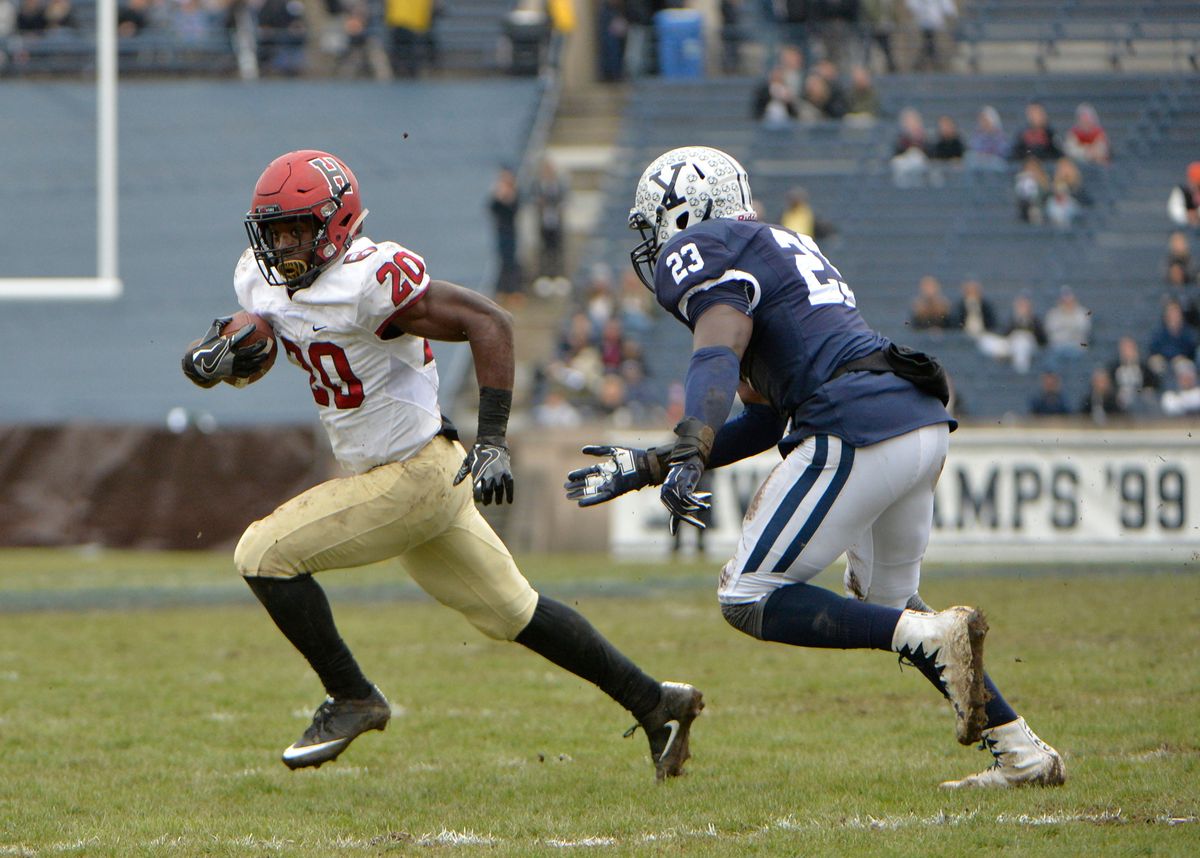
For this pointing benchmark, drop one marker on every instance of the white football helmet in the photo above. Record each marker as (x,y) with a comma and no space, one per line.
(681,188)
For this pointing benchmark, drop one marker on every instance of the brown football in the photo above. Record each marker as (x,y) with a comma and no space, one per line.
(262,331)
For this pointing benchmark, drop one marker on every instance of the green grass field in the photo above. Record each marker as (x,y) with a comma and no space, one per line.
(146,699)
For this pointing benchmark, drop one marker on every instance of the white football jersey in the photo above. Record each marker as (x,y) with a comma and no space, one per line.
(377,397)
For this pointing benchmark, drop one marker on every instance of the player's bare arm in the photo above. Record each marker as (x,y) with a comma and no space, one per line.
(453,314)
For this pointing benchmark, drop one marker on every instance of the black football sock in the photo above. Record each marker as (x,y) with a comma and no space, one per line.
(562,635)
(299,607)
(805,615)
(998,710)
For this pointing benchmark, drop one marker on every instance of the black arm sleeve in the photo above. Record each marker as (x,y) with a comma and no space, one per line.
(757,428)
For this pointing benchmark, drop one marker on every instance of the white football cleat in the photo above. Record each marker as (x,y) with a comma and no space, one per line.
(947,647)
(1022,759)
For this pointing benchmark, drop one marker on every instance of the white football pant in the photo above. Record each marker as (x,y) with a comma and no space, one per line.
(875,503)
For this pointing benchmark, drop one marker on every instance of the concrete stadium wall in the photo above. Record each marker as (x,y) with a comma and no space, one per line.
(1034,493)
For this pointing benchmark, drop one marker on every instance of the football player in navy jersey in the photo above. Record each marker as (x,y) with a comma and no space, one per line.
(862,427)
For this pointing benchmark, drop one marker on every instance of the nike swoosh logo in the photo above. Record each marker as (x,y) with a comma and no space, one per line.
(674,727)
(294,753)
(319,328)
(210,358)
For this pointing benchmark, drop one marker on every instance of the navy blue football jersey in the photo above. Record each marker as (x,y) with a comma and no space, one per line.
(806,325)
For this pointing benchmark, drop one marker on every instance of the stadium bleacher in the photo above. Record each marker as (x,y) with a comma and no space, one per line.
(962,225)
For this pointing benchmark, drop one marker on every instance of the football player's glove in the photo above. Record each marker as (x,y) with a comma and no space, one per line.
(217,357)
(626,469)
(679,495)
(491,470)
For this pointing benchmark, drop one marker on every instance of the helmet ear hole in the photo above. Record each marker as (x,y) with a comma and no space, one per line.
(681,222)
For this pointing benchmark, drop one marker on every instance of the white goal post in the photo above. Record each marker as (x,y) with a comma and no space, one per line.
(106,285)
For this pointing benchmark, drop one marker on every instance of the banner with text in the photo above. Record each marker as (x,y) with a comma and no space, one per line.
(1023,494)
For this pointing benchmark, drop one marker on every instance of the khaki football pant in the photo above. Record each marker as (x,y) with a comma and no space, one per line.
(407,510)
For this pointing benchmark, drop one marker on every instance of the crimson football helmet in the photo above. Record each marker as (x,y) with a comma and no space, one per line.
(305,184)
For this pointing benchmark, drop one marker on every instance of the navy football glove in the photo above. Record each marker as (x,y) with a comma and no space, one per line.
(627,469)
(491,470)
(215,358)
(679,495)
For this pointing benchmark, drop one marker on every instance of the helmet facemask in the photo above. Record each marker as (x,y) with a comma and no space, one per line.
(311,187)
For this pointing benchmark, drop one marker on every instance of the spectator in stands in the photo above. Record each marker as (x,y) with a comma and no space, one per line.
(30,18)
(1173,339)
(1024,333)
(576,365)
(1086,140)
(732,36)
(1184,291)
(1037,139)
(793,63)
(1101,401)
(912,134)
(932,18)
(550,196)
(863,100)
(1184,397)
(1031,186)
(555,411)
(600,299)
(612,344)
(1061,208)
(1068,327)
(357,52)
(610,403)
(835,21)
(798,216)
(931,309)
(47,19)
(1067,172)
(987,148)
(134,17)
(819,101)
(409,23)
(1183,203)
(639,46)
(1135,384)
(910,152)
(776,104)
(948,145)
(635,305)
(282,31)
(641,397)
(836,104)
(879,20)
(973,313)
(795,21)
(1049,399)
(504,204)
(193,24)
(1179,253)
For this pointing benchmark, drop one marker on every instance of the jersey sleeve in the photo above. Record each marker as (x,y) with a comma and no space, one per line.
(245,276)
(696,271)
(393,280)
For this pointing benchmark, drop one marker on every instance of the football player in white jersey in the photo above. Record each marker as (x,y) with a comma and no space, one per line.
(356,315)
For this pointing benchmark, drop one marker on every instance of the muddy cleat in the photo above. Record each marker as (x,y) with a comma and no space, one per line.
(334,726)
(1022,759)
(947,647)
(668,726)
